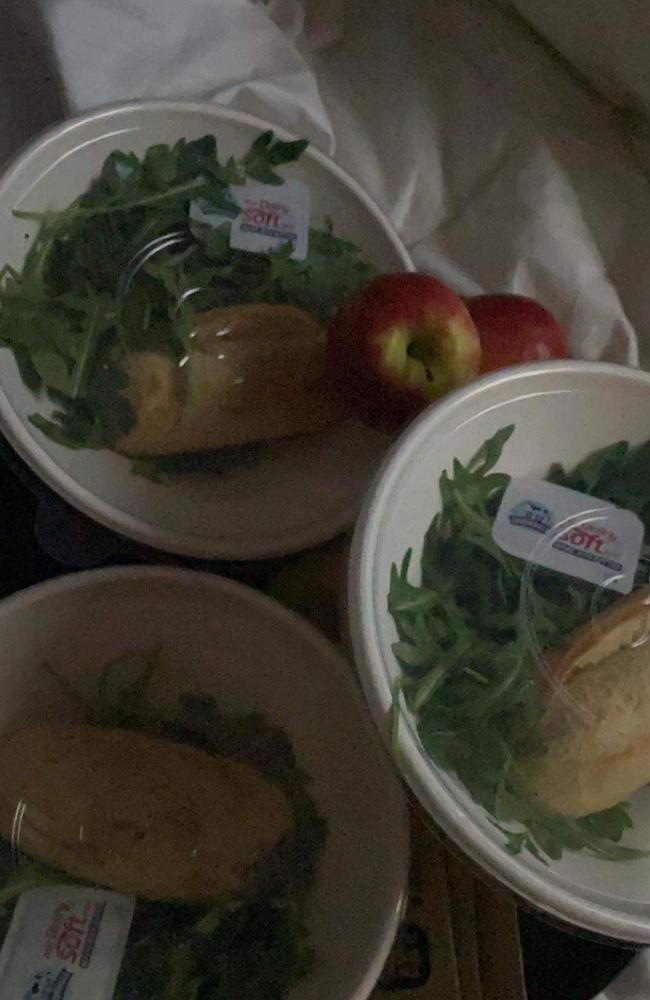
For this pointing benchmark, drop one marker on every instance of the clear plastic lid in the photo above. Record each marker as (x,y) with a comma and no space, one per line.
(181,302)
(524,647)
(139,844)
(222,367)
(119,236)
(586,753)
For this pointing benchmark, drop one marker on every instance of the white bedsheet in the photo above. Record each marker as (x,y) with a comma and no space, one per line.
(499,172)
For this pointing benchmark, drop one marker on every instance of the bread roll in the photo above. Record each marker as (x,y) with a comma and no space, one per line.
(253,373)
(597,722)
(118,808)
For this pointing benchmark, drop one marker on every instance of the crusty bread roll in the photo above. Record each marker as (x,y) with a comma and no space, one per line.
(118,808)
(253,373)
(597,721)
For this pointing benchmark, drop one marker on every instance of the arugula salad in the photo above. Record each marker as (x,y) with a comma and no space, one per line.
(470,674)
(253,946)
(102,316)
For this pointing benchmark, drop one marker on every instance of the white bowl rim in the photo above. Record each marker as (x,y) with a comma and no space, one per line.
(65,485)
(337,664)
(419,775)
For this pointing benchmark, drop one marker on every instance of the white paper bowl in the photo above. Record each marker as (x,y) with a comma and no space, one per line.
(228,641)
(561,411)
(303,491)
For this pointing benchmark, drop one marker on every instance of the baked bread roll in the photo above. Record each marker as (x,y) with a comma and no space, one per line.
(254,372)
(120,809)
(597,722)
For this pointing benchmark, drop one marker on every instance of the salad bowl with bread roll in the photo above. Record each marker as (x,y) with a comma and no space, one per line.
(168,273)
(175,821)
(499,609)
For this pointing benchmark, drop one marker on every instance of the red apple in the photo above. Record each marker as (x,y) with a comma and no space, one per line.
(398,344)
(513,330)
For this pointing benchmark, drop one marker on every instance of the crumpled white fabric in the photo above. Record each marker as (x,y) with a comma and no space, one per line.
(499,173)
(607,41)
(226,50)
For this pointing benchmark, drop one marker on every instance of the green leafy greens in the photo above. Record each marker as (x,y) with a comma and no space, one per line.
(254,948)
(89,291)
(469,670)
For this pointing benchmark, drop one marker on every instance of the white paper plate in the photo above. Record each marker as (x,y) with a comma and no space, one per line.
(303,491)
(250,654)
(561,411)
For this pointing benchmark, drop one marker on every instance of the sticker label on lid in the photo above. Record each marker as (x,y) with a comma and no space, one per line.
(65,943)
(263,217)
(570,532)
(270,217)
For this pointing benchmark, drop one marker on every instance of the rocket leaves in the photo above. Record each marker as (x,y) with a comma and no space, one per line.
(122,269)
(469,676)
